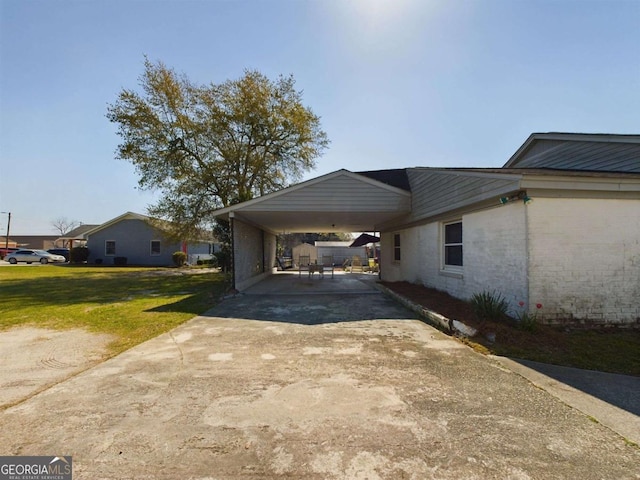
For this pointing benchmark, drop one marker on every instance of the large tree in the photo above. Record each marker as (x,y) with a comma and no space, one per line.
(63,225)
(209,146)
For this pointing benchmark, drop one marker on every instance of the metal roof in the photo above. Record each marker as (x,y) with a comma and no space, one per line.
(579,151)
(396,178)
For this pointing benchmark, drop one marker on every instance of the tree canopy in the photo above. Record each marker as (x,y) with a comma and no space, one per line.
(63,225)
(204,147)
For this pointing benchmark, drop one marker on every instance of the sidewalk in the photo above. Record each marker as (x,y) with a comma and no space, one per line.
(611,399)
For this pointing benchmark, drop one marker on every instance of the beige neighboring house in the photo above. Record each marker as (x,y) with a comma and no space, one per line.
(558,225)
(33,242)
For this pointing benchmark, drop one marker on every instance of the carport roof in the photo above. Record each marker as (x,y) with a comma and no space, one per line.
(341,201)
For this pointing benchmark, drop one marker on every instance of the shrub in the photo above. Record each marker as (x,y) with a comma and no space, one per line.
(119,260)
(179,258)
(489,306)
(98,261)
(223,259)
(79,254)
(212,262)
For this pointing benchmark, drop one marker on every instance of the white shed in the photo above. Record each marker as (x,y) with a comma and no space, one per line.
(305,249)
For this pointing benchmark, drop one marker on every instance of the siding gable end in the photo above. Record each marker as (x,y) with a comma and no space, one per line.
(338,193)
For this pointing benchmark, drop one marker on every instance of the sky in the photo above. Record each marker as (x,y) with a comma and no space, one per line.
(397,83)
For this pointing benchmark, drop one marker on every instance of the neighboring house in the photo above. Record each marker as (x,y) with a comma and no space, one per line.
(135,238)
(74,238)
(34,242)
(340,251)
(558,224)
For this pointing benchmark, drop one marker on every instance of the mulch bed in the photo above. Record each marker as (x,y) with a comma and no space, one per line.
(612,349)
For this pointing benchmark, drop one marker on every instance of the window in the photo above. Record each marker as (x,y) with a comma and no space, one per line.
(155,247)
(110,247)
(396,247)
(453,244)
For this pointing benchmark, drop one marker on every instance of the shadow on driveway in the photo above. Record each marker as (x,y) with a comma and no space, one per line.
(622,391)
(312,300)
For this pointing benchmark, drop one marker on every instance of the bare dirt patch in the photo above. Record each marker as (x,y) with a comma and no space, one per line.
(33,359)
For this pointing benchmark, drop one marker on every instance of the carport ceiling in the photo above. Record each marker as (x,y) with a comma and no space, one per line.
(316,221)
(341,201)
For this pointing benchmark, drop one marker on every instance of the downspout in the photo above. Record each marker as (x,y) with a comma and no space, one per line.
(264,269)
(378,251)
(527,256)
(233,253)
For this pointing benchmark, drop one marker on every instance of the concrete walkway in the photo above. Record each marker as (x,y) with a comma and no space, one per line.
(318,385)
(611,399)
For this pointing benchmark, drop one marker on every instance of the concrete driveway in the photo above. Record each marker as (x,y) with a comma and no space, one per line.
(311,378)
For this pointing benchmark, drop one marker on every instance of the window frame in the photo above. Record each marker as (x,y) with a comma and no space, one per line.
(151,252)
(397,248)
(447,267)
(106,248)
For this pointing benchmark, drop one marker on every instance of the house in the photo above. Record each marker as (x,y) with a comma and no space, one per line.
(135,237)
(74,238)
(34,242)
(341,251)
(558,224)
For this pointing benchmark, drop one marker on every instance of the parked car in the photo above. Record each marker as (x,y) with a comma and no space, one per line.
(60,251)
(6,251)
(31,256)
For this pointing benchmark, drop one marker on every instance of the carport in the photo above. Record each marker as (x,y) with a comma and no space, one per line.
(340,201)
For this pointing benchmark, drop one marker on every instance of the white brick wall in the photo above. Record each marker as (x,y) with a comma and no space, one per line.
(495,252)
(585,259)
(494,255)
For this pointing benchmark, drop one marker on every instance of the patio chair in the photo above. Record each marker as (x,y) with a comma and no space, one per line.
(327,264)
(303,263)
(356,264)
(373,265)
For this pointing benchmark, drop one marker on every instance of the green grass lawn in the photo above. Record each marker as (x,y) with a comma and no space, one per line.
(133,304)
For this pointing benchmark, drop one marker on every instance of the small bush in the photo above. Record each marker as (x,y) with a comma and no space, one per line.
(223,259)
(119,260)
(212,262)
(98,261)
(179,258)
(489,306)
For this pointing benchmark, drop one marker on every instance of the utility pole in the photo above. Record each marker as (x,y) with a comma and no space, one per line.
(6,242)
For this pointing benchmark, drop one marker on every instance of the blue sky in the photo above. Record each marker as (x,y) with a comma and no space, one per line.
(397,83)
